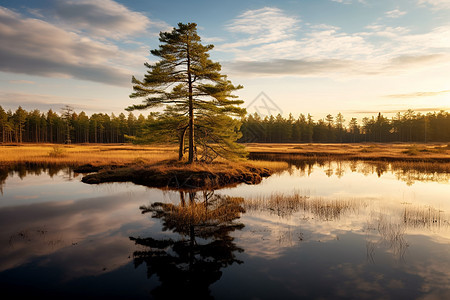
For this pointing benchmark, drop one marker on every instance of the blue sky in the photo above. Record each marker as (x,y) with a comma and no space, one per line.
(356,57)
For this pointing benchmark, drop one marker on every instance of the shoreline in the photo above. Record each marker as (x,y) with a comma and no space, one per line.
(156,165)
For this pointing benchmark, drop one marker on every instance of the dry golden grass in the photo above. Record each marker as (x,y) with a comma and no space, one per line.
(274,166)
(94,154)
(368,151)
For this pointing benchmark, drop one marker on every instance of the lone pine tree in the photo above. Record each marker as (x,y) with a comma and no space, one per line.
(196,96)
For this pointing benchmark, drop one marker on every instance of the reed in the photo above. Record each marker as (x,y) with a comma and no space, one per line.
(424,217)
(286,205)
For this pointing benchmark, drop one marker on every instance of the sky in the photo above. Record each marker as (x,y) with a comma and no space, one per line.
(356,57)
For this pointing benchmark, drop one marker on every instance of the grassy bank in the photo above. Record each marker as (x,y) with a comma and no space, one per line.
(79,154)
(154,166)
(361,151)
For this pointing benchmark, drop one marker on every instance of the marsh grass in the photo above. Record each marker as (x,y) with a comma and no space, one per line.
(363,151)
(416,150)
(73,155)
(57,151)
(286,205)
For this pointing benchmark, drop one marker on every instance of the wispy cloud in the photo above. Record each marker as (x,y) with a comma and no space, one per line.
(348,1)
(332,67)
(261,26)
(418,94)
(396,13)
(101,18)
(325,50)
(299,67)
(343,1)
(436,4)
(44,102)
(398,110)
(21,82)
(36,47)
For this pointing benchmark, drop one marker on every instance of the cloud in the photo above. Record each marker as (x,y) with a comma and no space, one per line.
(44,102)
(319,42)
(332,67)
(299,67)
(401,110)
(343,1)
(104,18)
(325,50)
(21,82)
(408,61)
(396,13)
(32,46)
(349,1)
(265,25)
(418,94)
(436,4)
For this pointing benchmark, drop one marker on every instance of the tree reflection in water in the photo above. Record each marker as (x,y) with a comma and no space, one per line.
(189,265)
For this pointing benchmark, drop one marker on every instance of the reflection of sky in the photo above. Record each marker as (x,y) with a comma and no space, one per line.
(81,232)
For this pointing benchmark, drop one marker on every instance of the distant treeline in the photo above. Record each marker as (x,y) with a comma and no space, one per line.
(68,126)
(406,127)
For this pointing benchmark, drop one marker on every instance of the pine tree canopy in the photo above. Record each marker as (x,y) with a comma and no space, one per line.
(189,85)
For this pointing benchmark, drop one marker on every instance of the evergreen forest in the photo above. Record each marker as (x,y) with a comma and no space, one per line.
(68,126)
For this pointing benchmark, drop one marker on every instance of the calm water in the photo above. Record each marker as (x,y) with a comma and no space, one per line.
(328,230)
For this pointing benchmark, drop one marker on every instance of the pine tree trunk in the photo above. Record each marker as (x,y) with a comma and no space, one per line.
(191,111)
(181,145)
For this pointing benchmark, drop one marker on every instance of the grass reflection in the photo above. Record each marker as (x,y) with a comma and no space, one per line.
(188,265)
(286,205)
(424,217)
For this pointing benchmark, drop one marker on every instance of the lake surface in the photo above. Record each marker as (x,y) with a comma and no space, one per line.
(319,230)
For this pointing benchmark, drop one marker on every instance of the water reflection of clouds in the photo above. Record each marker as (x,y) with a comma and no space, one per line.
(434,270)
(46,228)
(381,225)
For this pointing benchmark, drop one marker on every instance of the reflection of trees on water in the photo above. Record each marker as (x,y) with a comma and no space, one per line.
(187,266)
(408,172)
(3,176)
(22,170)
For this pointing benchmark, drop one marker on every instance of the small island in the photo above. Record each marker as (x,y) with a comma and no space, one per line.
(176,175)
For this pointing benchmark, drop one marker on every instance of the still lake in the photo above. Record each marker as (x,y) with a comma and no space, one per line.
(332,229)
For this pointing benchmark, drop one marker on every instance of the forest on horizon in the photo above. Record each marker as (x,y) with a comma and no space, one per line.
(68,126)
